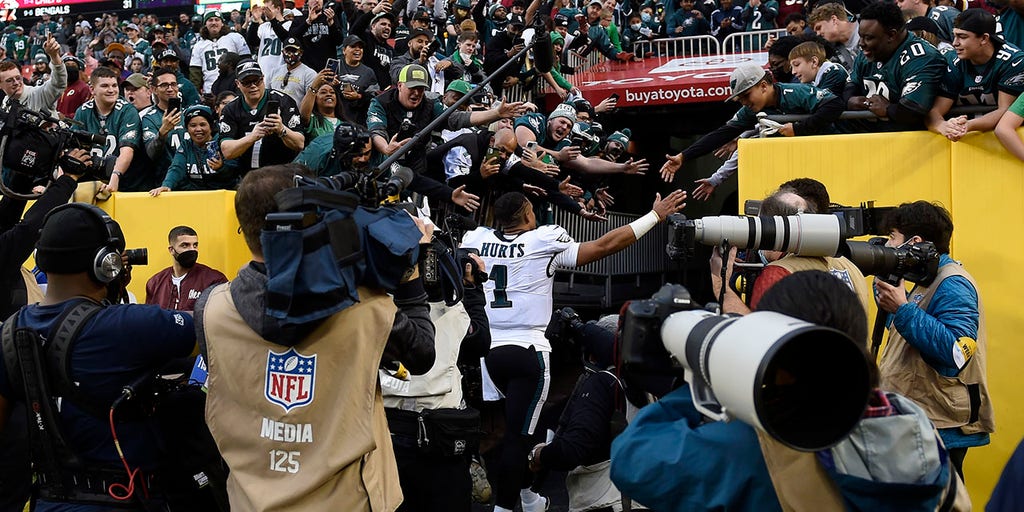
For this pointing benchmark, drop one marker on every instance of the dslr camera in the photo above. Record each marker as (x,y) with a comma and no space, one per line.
(805,234)
(803,384)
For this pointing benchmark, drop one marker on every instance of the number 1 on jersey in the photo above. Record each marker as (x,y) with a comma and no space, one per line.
(499,274)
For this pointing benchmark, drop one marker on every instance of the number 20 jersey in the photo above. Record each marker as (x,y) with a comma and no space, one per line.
(521,269)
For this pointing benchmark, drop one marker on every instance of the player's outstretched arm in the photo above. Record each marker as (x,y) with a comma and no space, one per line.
(622,237)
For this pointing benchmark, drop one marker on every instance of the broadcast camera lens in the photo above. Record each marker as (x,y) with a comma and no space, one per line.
(137,256)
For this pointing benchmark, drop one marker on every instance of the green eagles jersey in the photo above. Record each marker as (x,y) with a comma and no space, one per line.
(1010,26)
(968,84)
(910,77)
(17,47)
(121,128)
(832,77)
(152,118)
(793,99)
(536,123)
(944,16)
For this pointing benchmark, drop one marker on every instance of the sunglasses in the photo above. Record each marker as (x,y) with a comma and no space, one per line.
(251,82)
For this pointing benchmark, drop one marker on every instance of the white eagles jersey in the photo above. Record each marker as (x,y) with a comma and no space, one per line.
(206,53)
(271,47)
(521,269)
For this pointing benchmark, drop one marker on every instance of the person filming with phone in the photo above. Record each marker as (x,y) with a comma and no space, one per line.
(260,127)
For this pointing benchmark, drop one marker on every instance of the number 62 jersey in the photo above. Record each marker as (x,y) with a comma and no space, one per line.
(519,290)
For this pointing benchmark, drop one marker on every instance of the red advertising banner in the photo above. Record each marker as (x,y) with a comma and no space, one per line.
(664,81)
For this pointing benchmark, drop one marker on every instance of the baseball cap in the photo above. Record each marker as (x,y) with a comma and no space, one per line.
(416,32)
(459,86)
(923,23)
(247,68)
(115,47)
(70,238)
(72,58)
(979,21)
(516,19)
(291,42)
(41,57)
(132,26)
(19,27)
(383,15)
(157,28)
(352,39)
(212,14)
(595,2)
(462,4)
(561,20)
(414,75)
(744,77)
(564,110)
(168,54)
(421,14)
(136,80)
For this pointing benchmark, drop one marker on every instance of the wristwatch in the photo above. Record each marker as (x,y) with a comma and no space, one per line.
(284,132)
(118,173)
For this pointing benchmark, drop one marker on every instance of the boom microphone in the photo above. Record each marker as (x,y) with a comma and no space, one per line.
(543,58)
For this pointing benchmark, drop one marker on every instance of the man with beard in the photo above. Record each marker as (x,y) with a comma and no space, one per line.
(319,33)
(420,20)
(419,53)
(177,287)
(375,28)
(502,47)
(77,91)
(215,40)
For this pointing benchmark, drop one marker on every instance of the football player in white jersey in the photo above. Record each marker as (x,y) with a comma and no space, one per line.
(216,38)
(522,258)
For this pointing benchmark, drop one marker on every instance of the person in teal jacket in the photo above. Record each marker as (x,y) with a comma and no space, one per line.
(672,458)
(198,163)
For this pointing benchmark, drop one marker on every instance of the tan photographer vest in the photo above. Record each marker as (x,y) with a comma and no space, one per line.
(302,428)
(948,401)
(842,268)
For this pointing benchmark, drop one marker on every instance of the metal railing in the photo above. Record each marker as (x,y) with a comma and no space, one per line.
(689,46)
(584,62)
(749,41)
(968,110)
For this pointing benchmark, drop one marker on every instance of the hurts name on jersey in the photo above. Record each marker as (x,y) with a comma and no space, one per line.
(498,250)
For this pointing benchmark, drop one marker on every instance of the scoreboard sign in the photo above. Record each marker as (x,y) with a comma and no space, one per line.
(36,8)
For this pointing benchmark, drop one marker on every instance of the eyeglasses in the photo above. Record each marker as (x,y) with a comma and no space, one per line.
(166,85)
(251,82)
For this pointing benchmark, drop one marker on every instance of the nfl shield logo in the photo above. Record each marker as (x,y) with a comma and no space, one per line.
(290,379)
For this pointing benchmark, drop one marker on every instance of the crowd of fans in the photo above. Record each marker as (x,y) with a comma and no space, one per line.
(214,101)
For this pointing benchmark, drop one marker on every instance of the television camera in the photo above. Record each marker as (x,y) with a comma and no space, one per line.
(35,143)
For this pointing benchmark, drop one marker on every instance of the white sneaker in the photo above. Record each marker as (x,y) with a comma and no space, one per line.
(533,502)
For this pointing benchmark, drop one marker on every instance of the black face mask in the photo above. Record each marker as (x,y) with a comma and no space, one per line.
(73,75)
(187,259)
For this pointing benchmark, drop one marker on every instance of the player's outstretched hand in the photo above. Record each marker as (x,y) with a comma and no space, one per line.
(672,203)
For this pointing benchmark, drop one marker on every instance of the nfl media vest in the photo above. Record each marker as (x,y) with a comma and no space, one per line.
(950,402)
(441,387)
(302,428)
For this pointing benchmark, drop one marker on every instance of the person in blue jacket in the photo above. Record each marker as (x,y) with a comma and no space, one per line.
(671,458)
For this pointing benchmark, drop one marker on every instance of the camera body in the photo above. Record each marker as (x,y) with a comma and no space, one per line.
(803,384)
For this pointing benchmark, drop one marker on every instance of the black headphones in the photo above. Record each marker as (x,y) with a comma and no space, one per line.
(106,263)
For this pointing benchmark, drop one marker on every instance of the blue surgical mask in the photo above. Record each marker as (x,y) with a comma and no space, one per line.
(646,16)
(636,26)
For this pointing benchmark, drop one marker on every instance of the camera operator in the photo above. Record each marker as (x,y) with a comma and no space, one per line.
(522,258)
(41,97)
(433,467)
(399,113)
(80,250)
(250,132)
(594,415)
(936,349)
(671,458)
(17,240)
(329,449)
(778,265)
